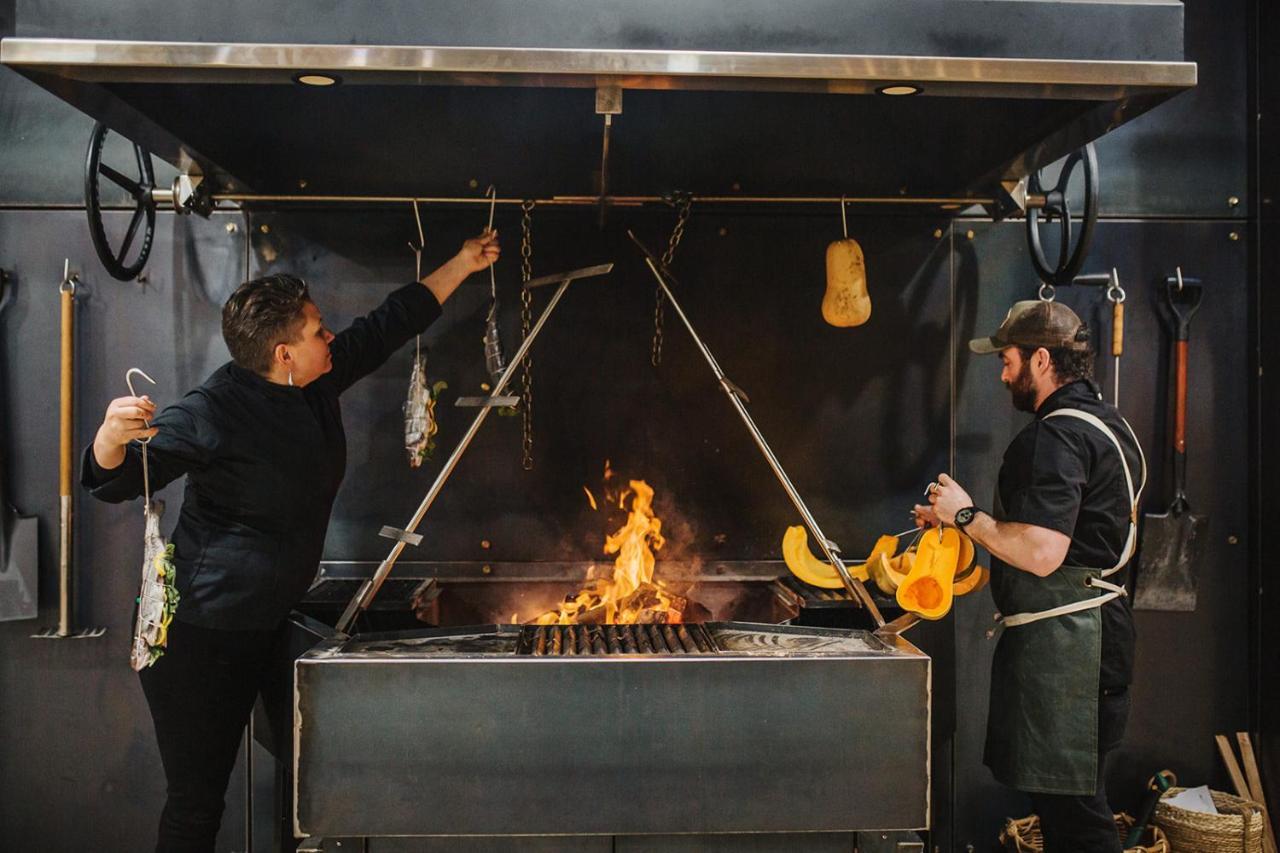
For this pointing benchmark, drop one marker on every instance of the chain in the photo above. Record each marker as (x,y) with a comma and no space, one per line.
(526,321)
(683,203)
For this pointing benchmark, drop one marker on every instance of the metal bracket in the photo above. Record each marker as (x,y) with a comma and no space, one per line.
(507,400)
(608,104)
(733,388)
(389,532)
(1010,198)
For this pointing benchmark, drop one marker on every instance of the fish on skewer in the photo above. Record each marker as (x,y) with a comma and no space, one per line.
(420,413)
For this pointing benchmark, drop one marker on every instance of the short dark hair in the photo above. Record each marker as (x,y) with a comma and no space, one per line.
(260,314)
(1069,363)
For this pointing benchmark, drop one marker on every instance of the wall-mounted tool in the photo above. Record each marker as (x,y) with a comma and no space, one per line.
(846,302)
(19,534)
(1053,204)
(67,291)
(1173,540)
(1115,295)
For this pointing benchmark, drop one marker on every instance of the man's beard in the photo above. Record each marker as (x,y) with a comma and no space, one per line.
(1022,391)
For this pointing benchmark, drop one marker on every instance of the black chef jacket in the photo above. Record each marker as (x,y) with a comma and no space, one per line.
(263,464)
(1063,474)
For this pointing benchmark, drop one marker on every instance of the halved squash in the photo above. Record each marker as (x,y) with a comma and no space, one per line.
(927,590)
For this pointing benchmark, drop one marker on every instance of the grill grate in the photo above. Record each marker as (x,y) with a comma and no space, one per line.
(812,596)
(566,640)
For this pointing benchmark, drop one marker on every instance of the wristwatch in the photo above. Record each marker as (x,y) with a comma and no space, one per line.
(964,516)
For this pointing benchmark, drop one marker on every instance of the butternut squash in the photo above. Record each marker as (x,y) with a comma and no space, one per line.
(888,572)
(976,580)
(927,590)
(808,568)
(846,302)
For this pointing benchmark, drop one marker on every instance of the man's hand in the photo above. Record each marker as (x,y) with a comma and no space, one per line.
(479,252)
(946,498)
(126,420)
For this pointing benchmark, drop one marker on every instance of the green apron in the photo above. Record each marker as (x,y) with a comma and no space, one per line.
(1042,724)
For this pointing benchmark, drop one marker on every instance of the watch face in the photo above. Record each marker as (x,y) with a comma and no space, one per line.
(964,516)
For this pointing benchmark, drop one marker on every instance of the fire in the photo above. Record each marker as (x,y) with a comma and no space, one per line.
(631,595)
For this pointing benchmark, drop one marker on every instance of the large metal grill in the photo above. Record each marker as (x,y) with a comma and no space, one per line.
(542,640)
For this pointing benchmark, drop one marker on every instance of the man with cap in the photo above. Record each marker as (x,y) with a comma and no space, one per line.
(1061,530)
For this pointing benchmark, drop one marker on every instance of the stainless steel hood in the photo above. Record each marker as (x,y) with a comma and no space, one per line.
(423,120)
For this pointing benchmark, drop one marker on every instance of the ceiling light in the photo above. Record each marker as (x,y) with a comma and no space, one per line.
(900,89)
(314,78)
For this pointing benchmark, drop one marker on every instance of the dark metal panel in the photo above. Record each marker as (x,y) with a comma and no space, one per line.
(1199,652)
(1189,158)
(44,141)
(588,746)
(1142,29)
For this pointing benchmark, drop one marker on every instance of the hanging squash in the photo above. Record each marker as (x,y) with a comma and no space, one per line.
(927,590)
(975,581)
(811,570)
(888,572)
(846,302)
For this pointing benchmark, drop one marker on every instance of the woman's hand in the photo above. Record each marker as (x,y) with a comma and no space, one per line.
(126,420)
(480,252)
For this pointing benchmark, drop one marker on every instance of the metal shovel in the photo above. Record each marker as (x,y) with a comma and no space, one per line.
(18,535)
(1172,541)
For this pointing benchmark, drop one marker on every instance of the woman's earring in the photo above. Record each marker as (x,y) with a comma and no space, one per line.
(290,378)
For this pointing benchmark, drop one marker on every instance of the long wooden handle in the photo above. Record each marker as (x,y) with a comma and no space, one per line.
(1117,329)
(68,354)
(1233,766)
(1257,794)
(1180,407)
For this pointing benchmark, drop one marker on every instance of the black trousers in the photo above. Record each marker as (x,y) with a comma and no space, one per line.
(1084,824)
(201,693)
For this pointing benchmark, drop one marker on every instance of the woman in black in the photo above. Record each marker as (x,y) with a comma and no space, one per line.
(262,444)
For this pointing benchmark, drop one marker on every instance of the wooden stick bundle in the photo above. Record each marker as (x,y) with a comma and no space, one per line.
(1248,784)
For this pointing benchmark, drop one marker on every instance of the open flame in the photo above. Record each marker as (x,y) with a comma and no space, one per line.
(631,595)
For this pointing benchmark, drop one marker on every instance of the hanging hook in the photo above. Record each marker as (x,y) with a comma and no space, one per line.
(422,242)
(492,193)
(1178,270)
(128,380)
(844,220)
(69,278)
(1115,293)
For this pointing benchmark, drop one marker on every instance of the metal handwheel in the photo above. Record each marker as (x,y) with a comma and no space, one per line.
(1055,206)
(140,188)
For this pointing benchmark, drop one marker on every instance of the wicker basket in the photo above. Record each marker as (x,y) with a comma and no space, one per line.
(1023,836)
(1237,830)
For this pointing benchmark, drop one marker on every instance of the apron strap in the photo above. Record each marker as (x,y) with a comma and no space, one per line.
(1113,592)
(1131,541)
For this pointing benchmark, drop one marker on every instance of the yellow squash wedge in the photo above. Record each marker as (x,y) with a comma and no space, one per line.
(888,572)
(846,302)
(976,580)
(927,590)
(808,568)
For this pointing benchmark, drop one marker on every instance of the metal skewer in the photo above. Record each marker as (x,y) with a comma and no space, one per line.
(365,595)
(735,395)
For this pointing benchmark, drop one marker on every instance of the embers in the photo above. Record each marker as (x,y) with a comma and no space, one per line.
(564,640)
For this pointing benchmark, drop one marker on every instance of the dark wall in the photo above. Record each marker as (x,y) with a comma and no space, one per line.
(860,418)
